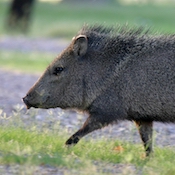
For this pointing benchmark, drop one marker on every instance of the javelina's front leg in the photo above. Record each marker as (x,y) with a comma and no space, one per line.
(91,124)
(145,130)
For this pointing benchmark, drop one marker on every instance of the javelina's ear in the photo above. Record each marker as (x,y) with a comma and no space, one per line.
(80,45)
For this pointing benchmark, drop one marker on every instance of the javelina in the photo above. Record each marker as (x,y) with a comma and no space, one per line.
(113,74)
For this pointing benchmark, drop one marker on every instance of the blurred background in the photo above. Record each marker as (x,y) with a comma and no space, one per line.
(31,28)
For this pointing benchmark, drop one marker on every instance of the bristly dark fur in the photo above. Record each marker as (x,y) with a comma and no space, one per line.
(120,40)
(114,31)
(124,39)
(123,31)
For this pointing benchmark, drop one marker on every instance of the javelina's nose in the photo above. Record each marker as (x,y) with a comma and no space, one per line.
(25,100)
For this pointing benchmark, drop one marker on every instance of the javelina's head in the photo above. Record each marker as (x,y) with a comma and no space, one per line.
(61,85)
(75,78)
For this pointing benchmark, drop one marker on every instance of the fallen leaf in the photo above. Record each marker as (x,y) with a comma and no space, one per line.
(118,149)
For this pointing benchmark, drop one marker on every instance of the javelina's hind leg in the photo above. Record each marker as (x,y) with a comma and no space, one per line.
(91,124)
(145,130)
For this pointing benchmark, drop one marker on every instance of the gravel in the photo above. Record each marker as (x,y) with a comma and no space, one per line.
(99,169)
(25,44)
(14,85)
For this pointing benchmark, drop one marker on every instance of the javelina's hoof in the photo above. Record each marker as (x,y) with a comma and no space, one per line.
(72,141)
(149,153)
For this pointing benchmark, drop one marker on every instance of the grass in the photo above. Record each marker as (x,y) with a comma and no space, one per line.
(26,62)
(29,146)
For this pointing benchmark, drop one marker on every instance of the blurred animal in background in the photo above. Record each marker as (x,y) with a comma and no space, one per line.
(19,14)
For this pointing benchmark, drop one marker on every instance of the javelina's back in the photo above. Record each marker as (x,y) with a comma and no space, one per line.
(113,75)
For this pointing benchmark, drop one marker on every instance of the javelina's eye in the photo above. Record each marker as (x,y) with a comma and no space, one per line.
(58,70)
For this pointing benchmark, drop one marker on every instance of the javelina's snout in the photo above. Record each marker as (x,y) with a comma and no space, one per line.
(36,99)
(26,101)
(32,102)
